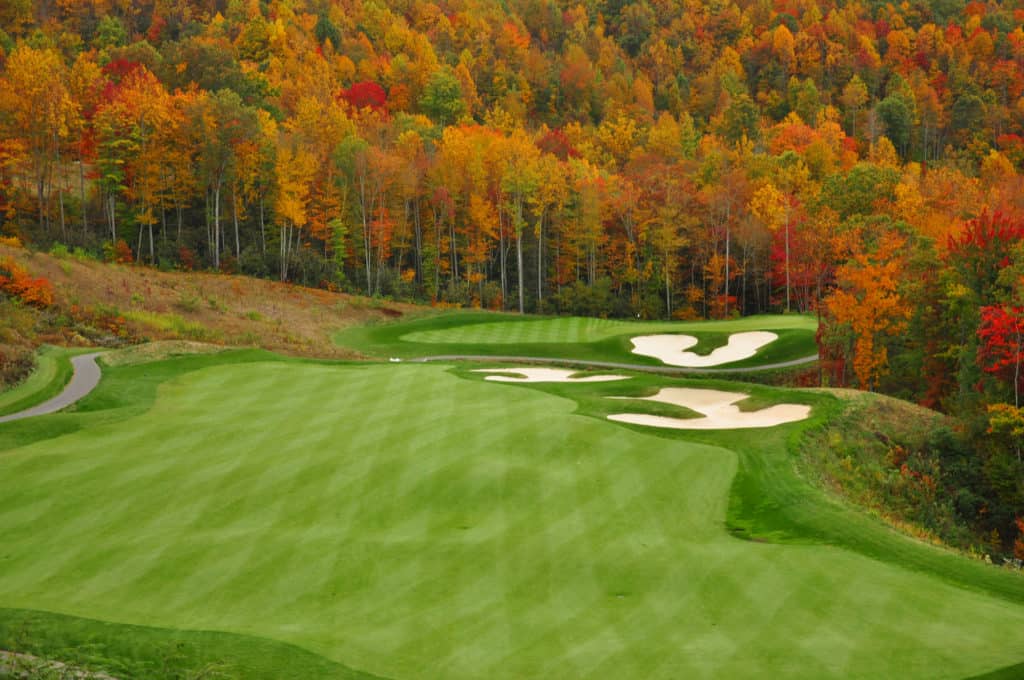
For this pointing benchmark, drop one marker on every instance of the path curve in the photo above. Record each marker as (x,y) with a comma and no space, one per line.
(610,364)
(86,376)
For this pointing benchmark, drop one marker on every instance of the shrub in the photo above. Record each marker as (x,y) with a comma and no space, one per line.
(119,252)
(187,303)
(17,282)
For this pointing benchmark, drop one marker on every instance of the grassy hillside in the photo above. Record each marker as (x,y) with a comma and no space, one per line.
(402,521)
(891,458)
(110,304)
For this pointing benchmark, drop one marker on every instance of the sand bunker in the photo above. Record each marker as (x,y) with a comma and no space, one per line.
(536,375)
(670,348)
(718,408)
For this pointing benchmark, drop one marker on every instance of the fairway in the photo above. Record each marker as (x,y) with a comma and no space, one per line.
(579,338)
(399,520)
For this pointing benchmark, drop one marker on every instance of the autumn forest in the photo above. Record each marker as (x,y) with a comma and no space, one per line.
(860,161)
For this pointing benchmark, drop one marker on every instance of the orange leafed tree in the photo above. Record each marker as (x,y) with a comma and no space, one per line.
(868,301)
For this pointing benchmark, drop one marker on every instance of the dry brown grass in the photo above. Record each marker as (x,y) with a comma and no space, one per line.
(215,308)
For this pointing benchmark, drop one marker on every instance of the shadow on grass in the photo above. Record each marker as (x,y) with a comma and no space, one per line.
(127,651)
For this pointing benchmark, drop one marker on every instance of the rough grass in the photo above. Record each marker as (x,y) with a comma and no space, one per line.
(490,334)
(157,351)
(867,455)
(230,310)
(415,521)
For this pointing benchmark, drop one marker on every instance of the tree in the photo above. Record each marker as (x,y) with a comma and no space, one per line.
(519,182)
(442,98)
(294,172)
(1002,345)
(867,300)
(899,120)
(223,123)
(38,112)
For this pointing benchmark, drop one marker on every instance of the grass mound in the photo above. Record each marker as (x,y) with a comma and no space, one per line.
(888,456)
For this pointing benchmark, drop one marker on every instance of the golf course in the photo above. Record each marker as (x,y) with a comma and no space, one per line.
(243,514)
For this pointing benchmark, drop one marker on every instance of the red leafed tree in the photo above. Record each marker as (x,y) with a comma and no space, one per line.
(366,95)
(1002,345)
(810,260)
(1018,545)
(980,251)
(556,143)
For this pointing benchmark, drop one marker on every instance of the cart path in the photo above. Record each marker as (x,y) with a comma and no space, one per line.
(610,364)
(86,376)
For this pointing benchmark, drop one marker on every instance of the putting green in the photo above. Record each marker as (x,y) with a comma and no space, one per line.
(584,329)
(413,521)
(584,339)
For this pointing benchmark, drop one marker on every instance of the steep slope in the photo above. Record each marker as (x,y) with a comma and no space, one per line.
(97,303)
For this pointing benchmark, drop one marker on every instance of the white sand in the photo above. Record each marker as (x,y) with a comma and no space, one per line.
(719,410)
(669,349)
(536,375)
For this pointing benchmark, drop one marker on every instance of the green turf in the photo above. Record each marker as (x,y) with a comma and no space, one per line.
(415,521)
(52,372)
(491,334)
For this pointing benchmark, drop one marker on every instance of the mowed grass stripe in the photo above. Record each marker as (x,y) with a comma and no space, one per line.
(517,330)
(406,521)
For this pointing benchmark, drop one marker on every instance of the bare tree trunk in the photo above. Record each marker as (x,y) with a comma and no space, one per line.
(234,210)
(285,243)
(728,239)
(60,194)
(367,254)
(437,255)
(501,260)
(263,230)
(519,267)
(206,217)
(668,289)
(112,214)
(41,191)
(419,242)
(454,251)
(787,259)
(540,261)
(85,210)
(216,226)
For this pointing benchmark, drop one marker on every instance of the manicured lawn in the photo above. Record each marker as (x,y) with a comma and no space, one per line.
(299,519)
(492,334)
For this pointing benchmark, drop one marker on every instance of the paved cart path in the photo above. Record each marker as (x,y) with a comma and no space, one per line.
(86,376)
